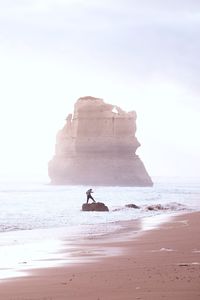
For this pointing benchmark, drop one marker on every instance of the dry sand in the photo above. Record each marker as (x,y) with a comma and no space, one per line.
(163,263)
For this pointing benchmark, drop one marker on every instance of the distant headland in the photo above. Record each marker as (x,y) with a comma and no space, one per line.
(97,146)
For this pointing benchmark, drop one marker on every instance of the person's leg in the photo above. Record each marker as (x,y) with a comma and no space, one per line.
(92,199)
(88,197)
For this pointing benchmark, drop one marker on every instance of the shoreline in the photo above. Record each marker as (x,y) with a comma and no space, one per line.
(161,263)
(25,251)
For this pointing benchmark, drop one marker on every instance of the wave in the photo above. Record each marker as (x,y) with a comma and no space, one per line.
(172,206)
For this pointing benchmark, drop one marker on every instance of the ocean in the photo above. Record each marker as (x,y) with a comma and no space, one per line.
(35,217)
(33,205)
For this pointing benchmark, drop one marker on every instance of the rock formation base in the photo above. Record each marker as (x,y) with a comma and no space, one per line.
(98,206)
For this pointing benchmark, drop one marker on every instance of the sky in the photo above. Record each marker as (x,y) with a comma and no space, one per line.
(141,55)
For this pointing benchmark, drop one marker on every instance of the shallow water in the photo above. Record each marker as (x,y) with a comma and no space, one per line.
(39,205)
(39,220)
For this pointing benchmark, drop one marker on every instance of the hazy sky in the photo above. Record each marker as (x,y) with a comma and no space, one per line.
(141,55)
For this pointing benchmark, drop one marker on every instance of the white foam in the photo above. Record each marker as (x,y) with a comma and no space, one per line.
(164,250)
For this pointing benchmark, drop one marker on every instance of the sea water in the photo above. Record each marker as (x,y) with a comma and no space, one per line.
(34,205)
(51,213)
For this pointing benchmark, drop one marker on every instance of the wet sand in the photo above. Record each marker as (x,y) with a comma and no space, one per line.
(162,263)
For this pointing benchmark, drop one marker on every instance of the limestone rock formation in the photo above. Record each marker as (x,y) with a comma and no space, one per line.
(97,146)
(98,206)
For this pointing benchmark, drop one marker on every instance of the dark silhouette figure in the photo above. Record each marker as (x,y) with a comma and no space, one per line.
(89,196)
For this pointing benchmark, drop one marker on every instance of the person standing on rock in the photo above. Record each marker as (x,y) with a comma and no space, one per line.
(89,196)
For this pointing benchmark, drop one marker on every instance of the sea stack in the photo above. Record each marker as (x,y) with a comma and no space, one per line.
(97,146)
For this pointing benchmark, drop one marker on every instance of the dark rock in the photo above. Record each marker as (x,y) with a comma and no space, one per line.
(155,207)
(94,207)
(170,206)
(132,206)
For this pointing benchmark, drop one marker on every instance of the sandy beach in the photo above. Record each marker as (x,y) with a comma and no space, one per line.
(162,263)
